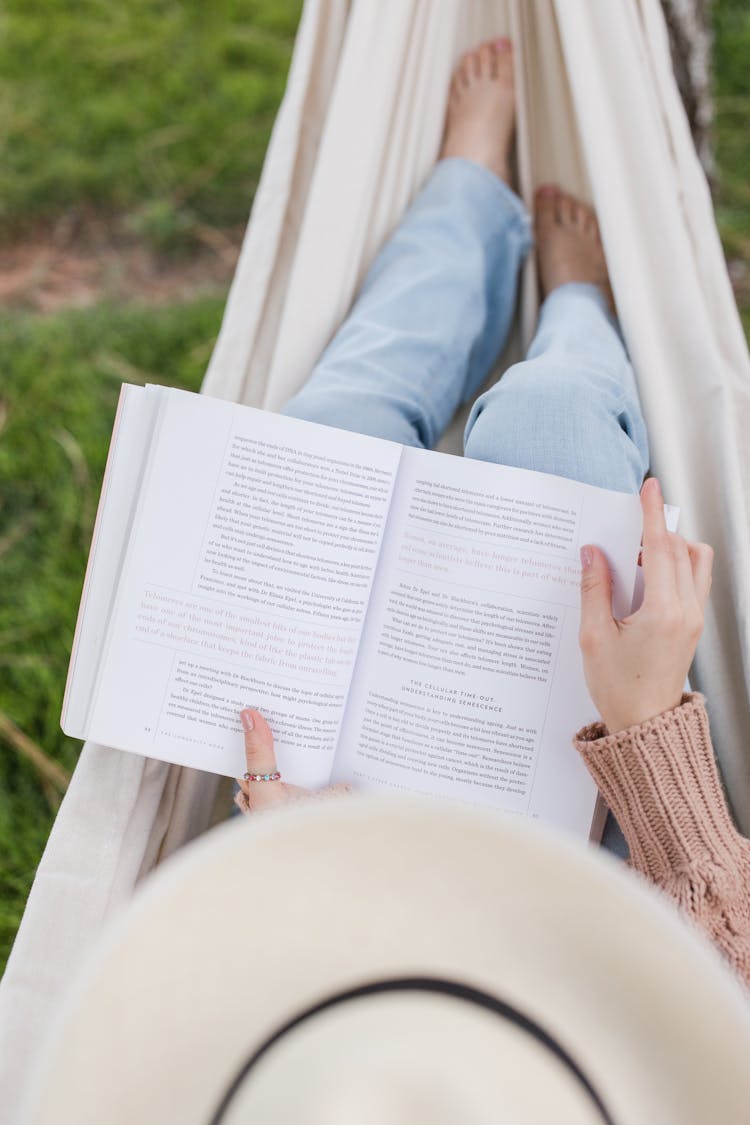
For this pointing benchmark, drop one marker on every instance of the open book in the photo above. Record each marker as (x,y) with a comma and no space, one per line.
(404,619)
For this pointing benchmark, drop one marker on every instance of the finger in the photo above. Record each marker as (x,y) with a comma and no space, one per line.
(240,798)
(596,598)
(683,570)
(702,562)
(659,577)
(260,759)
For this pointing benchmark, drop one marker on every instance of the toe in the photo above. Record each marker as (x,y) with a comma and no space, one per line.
(503,54)
(590,224)
(546,206)
(464,69)
(579,215)
(566,209)
(486,60)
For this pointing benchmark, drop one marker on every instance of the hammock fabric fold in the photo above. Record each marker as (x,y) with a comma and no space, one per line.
(358,131)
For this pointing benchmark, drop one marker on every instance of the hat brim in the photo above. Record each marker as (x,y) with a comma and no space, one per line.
(261,920)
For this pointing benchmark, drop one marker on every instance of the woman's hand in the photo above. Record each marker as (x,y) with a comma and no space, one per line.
(636,668)
(261,759)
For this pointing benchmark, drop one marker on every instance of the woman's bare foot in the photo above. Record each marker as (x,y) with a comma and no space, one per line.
(568,244)
(482,108)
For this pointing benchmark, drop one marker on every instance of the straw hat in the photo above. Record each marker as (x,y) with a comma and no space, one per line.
(368,961)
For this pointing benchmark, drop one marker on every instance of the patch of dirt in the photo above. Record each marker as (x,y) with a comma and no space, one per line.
(80,261)
(76,264)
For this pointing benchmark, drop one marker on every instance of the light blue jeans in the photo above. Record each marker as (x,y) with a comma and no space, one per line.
(429,323)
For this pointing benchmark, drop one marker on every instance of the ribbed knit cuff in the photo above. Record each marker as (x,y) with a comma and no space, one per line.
(660,780)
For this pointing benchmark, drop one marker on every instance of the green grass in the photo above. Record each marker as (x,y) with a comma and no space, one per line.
(154,109)
(59,396)
(158,112)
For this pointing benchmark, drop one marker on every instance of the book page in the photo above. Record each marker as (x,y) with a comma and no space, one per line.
(469,682)
(132,431)
(246,583)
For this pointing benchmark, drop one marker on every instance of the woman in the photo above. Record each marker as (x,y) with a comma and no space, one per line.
(431,318)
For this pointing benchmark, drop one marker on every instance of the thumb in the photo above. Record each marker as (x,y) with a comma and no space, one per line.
(596,592)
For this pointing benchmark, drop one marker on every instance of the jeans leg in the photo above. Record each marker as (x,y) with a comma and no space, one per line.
(571,408)
(432,315)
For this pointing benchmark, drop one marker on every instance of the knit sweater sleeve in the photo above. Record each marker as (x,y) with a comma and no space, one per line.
(661,782)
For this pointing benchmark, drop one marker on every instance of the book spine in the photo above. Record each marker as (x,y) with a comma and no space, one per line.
(95,538)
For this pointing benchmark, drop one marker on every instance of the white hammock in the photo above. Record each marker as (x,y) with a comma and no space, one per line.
(358,130)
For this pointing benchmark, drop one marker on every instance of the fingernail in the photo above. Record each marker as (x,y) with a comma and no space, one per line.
(587,557)
(656,487)
(501,44)
(247,720)
(547,189)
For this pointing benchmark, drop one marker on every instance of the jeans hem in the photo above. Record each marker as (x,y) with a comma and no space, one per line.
(510,206)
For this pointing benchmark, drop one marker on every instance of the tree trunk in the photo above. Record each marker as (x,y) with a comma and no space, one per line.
(690,39)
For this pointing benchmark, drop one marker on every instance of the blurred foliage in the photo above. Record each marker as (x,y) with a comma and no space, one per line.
(732,141)
(731,54)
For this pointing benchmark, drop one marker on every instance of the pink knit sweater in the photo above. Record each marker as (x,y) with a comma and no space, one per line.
(661,783)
